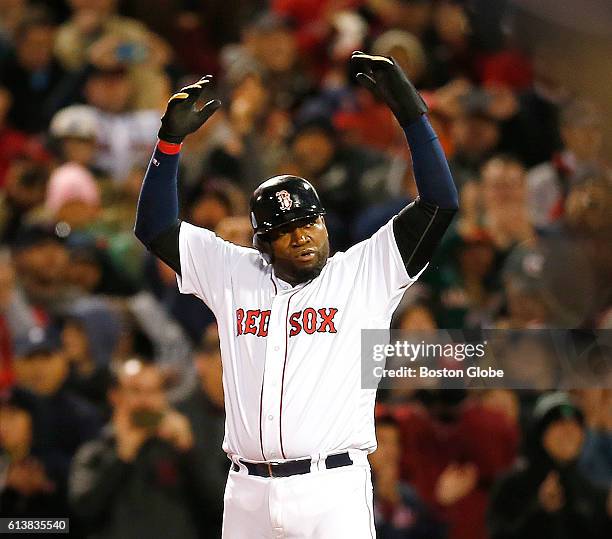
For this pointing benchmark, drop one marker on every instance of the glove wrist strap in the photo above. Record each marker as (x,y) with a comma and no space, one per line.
(169,148)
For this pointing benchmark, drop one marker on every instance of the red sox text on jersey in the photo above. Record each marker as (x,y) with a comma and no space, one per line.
(309,320)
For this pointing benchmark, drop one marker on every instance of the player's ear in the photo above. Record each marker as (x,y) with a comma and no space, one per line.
(264,247)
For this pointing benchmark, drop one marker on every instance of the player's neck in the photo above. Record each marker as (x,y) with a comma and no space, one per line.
(293,280)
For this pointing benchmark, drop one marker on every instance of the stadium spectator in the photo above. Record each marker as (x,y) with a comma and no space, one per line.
(532,132)
(269,47)
(516,106)
(13,12)
(204,409)
(465,289)
(398,511)
(192,315)
(126,135)
(414,16)
(579,160)
(73,196)
(27,487)
(313,21)
(248,144)
(32,75)
(475,136)
(73,133)
(453,450)
(504,199)
(41,260)
(596,456)
(96,35)
(67,420)
(24,192)
(90,336)
(14,144)
(346,177)
(547,496)
(139,478)
(96,270)
(213,202)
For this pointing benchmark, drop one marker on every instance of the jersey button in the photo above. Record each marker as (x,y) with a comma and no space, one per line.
(270,417)
(276,348)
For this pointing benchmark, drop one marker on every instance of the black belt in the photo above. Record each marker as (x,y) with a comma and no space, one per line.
(292,467)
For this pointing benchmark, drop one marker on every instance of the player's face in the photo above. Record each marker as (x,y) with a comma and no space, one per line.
(300,250)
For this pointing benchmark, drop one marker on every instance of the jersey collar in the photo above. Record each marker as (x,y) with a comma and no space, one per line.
(284,286)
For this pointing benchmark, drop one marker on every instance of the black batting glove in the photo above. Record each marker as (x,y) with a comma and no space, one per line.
(183,116)
(386,80)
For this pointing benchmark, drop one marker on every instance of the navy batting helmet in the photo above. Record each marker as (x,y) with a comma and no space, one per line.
(281,200)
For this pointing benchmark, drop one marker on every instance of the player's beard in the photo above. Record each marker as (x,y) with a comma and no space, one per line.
(307,274)
(301,274)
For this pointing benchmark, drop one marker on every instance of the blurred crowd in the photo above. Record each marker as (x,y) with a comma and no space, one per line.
(111,401)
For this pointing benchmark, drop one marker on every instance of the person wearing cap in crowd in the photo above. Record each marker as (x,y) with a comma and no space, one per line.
(139,477)
(73,132)
(96,267)
(475,135)
(579,160)
(27,488)
(67,420)
(124,133)
(546,495)
(527,303)
(73,196)
(41,260)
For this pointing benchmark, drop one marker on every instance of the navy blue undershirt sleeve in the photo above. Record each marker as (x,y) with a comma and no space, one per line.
(431,173)
(158,202)
(157,224)
(419,227)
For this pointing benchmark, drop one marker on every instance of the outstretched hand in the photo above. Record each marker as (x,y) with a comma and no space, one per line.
(386,80)
(183,115)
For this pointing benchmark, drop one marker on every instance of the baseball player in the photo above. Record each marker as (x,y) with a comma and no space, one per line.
(298,425)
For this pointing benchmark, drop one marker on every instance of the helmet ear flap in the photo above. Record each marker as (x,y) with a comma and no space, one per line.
(263,247)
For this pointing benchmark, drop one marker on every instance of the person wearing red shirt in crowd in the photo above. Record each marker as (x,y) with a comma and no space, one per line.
(6,371)
(453,450)
(13,143)
(313,18)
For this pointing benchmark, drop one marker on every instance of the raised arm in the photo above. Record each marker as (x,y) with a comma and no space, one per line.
(419,227)
(157,224)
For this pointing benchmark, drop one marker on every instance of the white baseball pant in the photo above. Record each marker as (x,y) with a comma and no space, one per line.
(325,504)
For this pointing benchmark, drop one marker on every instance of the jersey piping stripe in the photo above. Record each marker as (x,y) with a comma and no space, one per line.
(280,413)
(263,377)
(275,289)
(368,504)
(263,456)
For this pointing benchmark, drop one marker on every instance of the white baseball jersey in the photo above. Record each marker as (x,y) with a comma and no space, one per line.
(125,140)
(291,354)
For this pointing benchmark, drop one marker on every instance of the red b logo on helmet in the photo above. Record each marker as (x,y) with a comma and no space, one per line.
(284,199)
